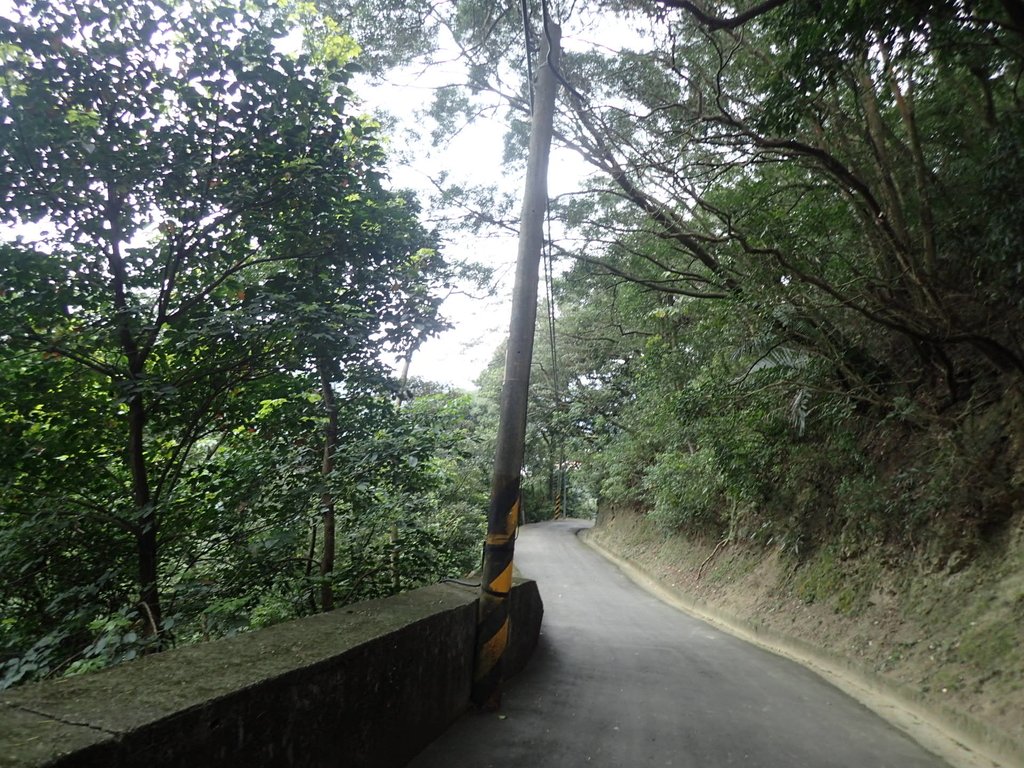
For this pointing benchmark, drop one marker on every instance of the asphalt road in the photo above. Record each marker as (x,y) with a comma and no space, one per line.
(622,680)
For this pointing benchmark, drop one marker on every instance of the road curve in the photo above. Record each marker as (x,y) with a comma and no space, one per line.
(622,680)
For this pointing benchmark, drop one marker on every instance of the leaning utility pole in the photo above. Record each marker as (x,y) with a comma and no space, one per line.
(503,510)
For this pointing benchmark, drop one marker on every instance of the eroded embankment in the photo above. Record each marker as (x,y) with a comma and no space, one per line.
(937,652)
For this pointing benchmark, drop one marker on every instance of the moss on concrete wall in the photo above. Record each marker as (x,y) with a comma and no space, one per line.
(366,685)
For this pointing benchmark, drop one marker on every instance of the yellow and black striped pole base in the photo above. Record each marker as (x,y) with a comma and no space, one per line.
(493,620)
(493,625)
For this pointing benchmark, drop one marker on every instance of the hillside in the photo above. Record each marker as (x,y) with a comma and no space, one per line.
(942,635)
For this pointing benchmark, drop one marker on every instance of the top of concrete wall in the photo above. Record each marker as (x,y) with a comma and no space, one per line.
(385,648)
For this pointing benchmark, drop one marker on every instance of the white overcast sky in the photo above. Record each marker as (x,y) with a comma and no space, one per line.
(479,322)
(473,156)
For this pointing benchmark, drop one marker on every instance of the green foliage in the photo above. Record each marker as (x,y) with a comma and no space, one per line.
(794,311)
(206,269)
(845,585)
(685,490)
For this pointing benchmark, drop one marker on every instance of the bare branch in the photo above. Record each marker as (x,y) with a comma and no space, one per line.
(714,23)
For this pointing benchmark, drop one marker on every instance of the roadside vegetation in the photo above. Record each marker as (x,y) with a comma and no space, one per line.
(787,362)
(788,304)
(203,267)
(789,321)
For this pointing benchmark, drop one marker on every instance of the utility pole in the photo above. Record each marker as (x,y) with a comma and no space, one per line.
(503,509)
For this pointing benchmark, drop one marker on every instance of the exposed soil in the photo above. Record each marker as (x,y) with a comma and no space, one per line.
(947,641)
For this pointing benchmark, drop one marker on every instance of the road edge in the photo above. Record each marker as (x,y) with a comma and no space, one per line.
(943,736)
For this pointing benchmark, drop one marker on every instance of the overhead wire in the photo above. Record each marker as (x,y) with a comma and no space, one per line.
(554,69)
(556,379)
(526,38)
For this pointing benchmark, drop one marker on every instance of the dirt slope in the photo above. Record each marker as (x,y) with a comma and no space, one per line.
(948,640)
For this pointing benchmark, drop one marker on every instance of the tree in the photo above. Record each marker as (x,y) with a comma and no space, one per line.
(211,232)
(814,203)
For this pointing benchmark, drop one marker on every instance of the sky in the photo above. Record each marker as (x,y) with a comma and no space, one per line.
(473,156)
(479,322)
(458,355)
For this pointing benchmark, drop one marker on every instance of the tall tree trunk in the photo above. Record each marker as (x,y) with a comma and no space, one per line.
(493,622)
(309,566)
(147,543)
(147,523)
(327,497)
(396,575)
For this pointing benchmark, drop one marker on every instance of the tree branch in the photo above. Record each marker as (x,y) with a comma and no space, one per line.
(714,23)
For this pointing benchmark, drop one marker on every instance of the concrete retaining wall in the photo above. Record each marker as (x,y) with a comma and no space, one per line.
(366,685)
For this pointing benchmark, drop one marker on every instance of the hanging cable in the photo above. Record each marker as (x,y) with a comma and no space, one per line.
(550,295)
(526,40)
(556,382)
(554,69)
